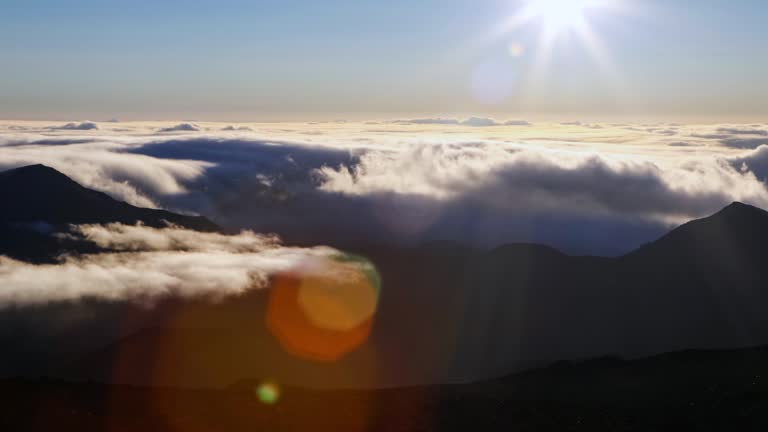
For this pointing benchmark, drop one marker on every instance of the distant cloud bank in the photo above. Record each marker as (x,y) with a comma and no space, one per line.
(181,127)
(471,121)
(83,126)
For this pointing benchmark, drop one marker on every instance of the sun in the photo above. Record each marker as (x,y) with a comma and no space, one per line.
(559,15)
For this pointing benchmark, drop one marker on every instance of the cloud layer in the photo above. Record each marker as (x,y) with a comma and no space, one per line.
(470,121)
(582,187)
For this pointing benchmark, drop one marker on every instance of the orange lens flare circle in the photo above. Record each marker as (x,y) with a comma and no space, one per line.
(324,310)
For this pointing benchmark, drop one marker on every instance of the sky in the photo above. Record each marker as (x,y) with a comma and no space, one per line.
(238,60)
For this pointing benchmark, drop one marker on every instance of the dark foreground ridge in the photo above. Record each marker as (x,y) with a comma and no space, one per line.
(690,390)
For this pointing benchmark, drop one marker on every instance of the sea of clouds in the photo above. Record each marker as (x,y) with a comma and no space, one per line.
(586,188)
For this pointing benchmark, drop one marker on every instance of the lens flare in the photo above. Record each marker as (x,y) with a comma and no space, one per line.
(516,49)
(324,310)
(268,393)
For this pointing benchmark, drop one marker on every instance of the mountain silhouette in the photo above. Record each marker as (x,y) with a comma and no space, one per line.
(38,193)
(732,240)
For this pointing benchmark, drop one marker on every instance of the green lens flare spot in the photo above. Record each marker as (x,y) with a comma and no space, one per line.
(268,393)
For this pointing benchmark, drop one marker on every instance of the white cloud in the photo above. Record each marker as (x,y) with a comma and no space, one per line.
(755,161)
(86,125)
(182,127)
(523,178)
(141,238)
(154,263)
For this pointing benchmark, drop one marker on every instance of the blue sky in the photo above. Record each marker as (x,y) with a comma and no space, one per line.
(289,59)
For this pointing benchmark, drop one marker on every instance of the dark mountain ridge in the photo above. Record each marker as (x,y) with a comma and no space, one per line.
(37,193)
(738,229)
(688,390)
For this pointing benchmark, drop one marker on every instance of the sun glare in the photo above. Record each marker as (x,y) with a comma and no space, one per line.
(559,15)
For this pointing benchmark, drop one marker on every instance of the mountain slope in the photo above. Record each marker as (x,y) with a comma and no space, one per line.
(735,233)
(39,193)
